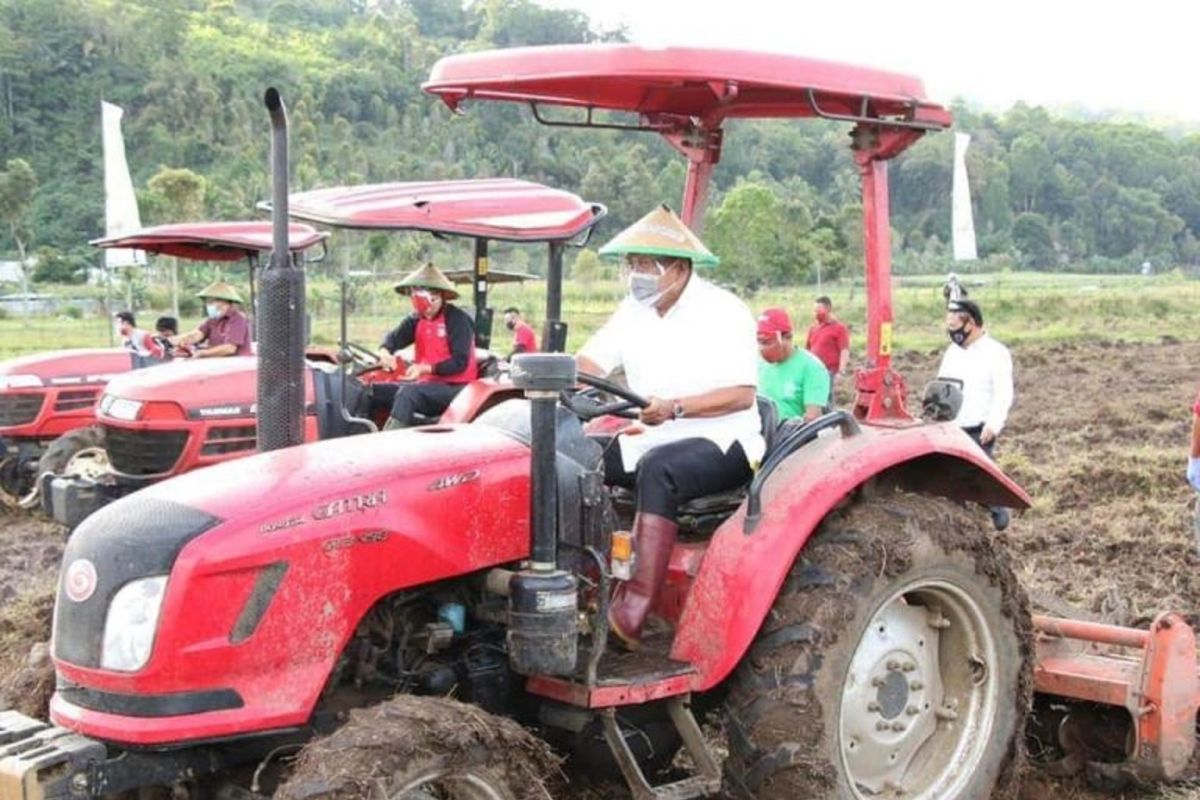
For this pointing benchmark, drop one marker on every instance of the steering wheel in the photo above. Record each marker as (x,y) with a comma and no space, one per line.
(586,404)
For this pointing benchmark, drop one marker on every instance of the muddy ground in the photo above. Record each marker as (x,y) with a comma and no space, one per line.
(1098,437)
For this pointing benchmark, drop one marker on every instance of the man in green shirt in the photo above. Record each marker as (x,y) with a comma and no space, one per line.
(792,377)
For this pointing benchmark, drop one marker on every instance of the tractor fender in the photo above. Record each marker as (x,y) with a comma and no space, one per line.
(745,565)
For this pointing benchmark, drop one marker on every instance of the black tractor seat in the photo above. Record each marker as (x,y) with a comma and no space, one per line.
(703,514)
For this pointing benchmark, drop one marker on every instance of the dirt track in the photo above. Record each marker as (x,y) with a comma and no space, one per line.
(1098,437)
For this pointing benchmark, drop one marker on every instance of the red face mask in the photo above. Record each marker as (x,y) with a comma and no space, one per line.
(821,313)
(422,302)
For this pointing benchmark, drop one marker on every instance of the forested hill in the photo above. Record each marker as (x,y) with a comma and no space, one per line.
(1049,193)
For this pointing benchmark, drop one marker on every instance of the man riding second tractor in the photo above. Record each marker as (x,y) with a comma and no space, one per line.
(141,344)
(225,330)
(444,339)
(689,348)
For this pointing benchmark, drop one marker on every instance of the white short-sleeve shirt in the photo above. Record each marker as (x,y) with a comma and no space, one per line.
(705,341)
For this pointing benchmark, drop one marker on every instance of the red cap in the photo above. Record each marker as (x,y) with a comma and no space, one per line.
(774,320)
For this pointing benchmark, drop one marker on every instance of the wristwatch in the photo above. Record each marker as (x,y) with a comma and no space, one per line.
(677,410)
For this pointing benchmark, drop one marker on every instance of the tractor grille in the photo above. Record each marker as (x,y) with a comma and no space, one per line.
(229,440)
(19,409)
(76,400)
(143,452)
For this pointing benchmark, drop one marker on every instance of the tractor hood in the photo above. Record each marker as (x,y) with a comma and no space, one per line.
(65,367)
(203,387)
(347,521)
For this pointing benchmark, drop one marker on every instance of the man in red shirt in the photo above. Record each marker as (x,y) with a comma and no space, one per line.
(829,341)
(524,339)
(443,338)
(225,330)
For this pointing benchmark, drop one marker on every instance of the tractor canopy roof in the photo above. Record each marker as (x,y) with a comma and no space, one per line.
(500,208)
(704,86)
(467,275)
(211,241)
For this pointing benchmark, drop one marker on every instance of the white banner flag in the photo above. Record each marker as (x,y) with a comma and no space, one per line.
(962,222)
(120,203)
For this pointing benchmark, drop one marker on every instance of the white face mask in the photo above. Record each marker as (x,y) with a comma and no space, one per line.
(644,288)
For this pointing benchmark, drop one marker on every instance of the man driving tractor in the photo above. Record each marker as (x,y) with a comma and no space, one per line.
(689,348)
(225,330)
(444,339)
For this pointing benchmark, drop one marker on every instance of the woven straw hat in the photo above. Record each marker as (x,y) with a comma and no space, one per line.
(220,290)
(660,233)
(427,277)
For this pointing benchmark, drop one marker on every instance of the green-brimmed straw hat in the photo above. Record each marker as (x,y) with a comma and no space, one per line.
(220,290)
(427,277)
(660,233)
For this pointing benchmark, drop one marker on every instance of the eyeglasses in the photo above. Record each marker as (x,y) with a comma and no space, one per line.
(644,264)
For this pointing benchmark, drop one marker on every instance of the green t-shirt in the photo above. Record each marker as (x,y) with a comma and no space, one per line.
(800,381)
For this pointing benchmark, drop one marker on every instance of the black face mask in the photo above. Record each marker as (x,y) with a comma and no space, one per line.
(958,335)
(510,325)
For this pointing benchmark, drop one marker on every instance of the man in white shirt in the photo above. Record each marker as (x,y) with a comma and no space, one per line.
(689,347)
(984,367)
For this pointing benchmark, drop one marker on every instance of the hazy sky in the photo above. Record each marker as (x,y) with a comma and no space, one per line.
(1135,56)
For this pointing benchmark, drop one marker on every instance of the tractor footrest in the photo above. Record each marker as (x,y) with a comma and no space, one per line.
(705,783)
(45,762)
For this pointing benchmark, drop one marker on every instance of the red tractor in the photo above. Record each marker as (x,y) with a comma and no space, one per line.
(846,614)
(42,397)
(153,424)
(48,400)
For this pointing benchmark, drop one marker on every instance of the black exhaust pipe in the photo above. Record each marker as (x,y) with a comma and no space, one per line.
(543,616)
(281,309)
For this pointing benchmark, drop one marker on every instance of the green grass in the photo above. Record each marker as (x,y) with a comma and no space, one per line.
(1028,308)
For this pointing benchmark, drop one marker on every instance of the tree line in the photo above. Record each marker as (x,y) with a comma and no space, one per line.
(1049,192)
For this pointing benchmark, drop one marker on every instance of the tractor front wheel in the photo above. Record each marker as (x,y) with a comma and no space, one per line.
(424,748)
(79,452)
(895,663)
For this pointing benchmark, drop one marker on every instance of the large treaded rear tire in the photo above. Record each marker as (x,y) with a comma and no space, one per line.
(790,708)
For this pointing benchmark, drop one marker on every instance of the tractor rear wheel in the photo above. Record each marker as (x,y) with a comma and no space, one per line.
(895,663)
(79,452)
(424,748)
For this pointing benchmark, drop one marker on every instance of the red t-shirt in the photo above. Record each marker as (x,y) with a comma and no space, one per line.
(524,339)
(1196,406)
(827,340)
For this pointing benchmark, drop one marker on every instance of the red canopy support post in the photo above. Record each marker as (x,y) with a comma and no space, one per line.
(882,395)
(702,147)
(695,194)
(877,249)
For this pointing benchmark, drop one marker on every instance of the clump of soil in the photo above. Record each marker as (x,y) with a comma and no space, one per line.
(30,551)
(384,747)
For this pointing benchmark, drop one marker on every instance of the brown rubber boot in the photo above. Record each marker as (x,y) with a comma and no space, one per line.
(653,539)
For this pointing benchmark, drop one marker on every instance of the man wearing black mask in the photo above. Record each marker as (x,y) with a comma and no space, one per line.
(984,367)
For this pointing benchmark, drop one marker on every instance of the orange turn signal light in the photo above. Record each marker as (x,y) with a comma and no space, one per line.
(622,546)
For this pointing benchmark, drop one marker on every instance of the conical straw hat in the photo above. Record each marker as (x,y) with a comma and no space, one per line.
(220,290)
(660,233)
(427,277)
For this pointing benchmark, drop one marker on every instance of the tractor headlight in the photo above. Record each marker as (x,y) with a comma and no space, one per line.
(120,407)
(20,381)
(131,623)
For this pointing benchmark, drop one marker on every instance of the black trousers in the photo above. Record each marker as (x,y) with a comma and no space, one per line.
(672,474)
(975,431)
(411,399)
